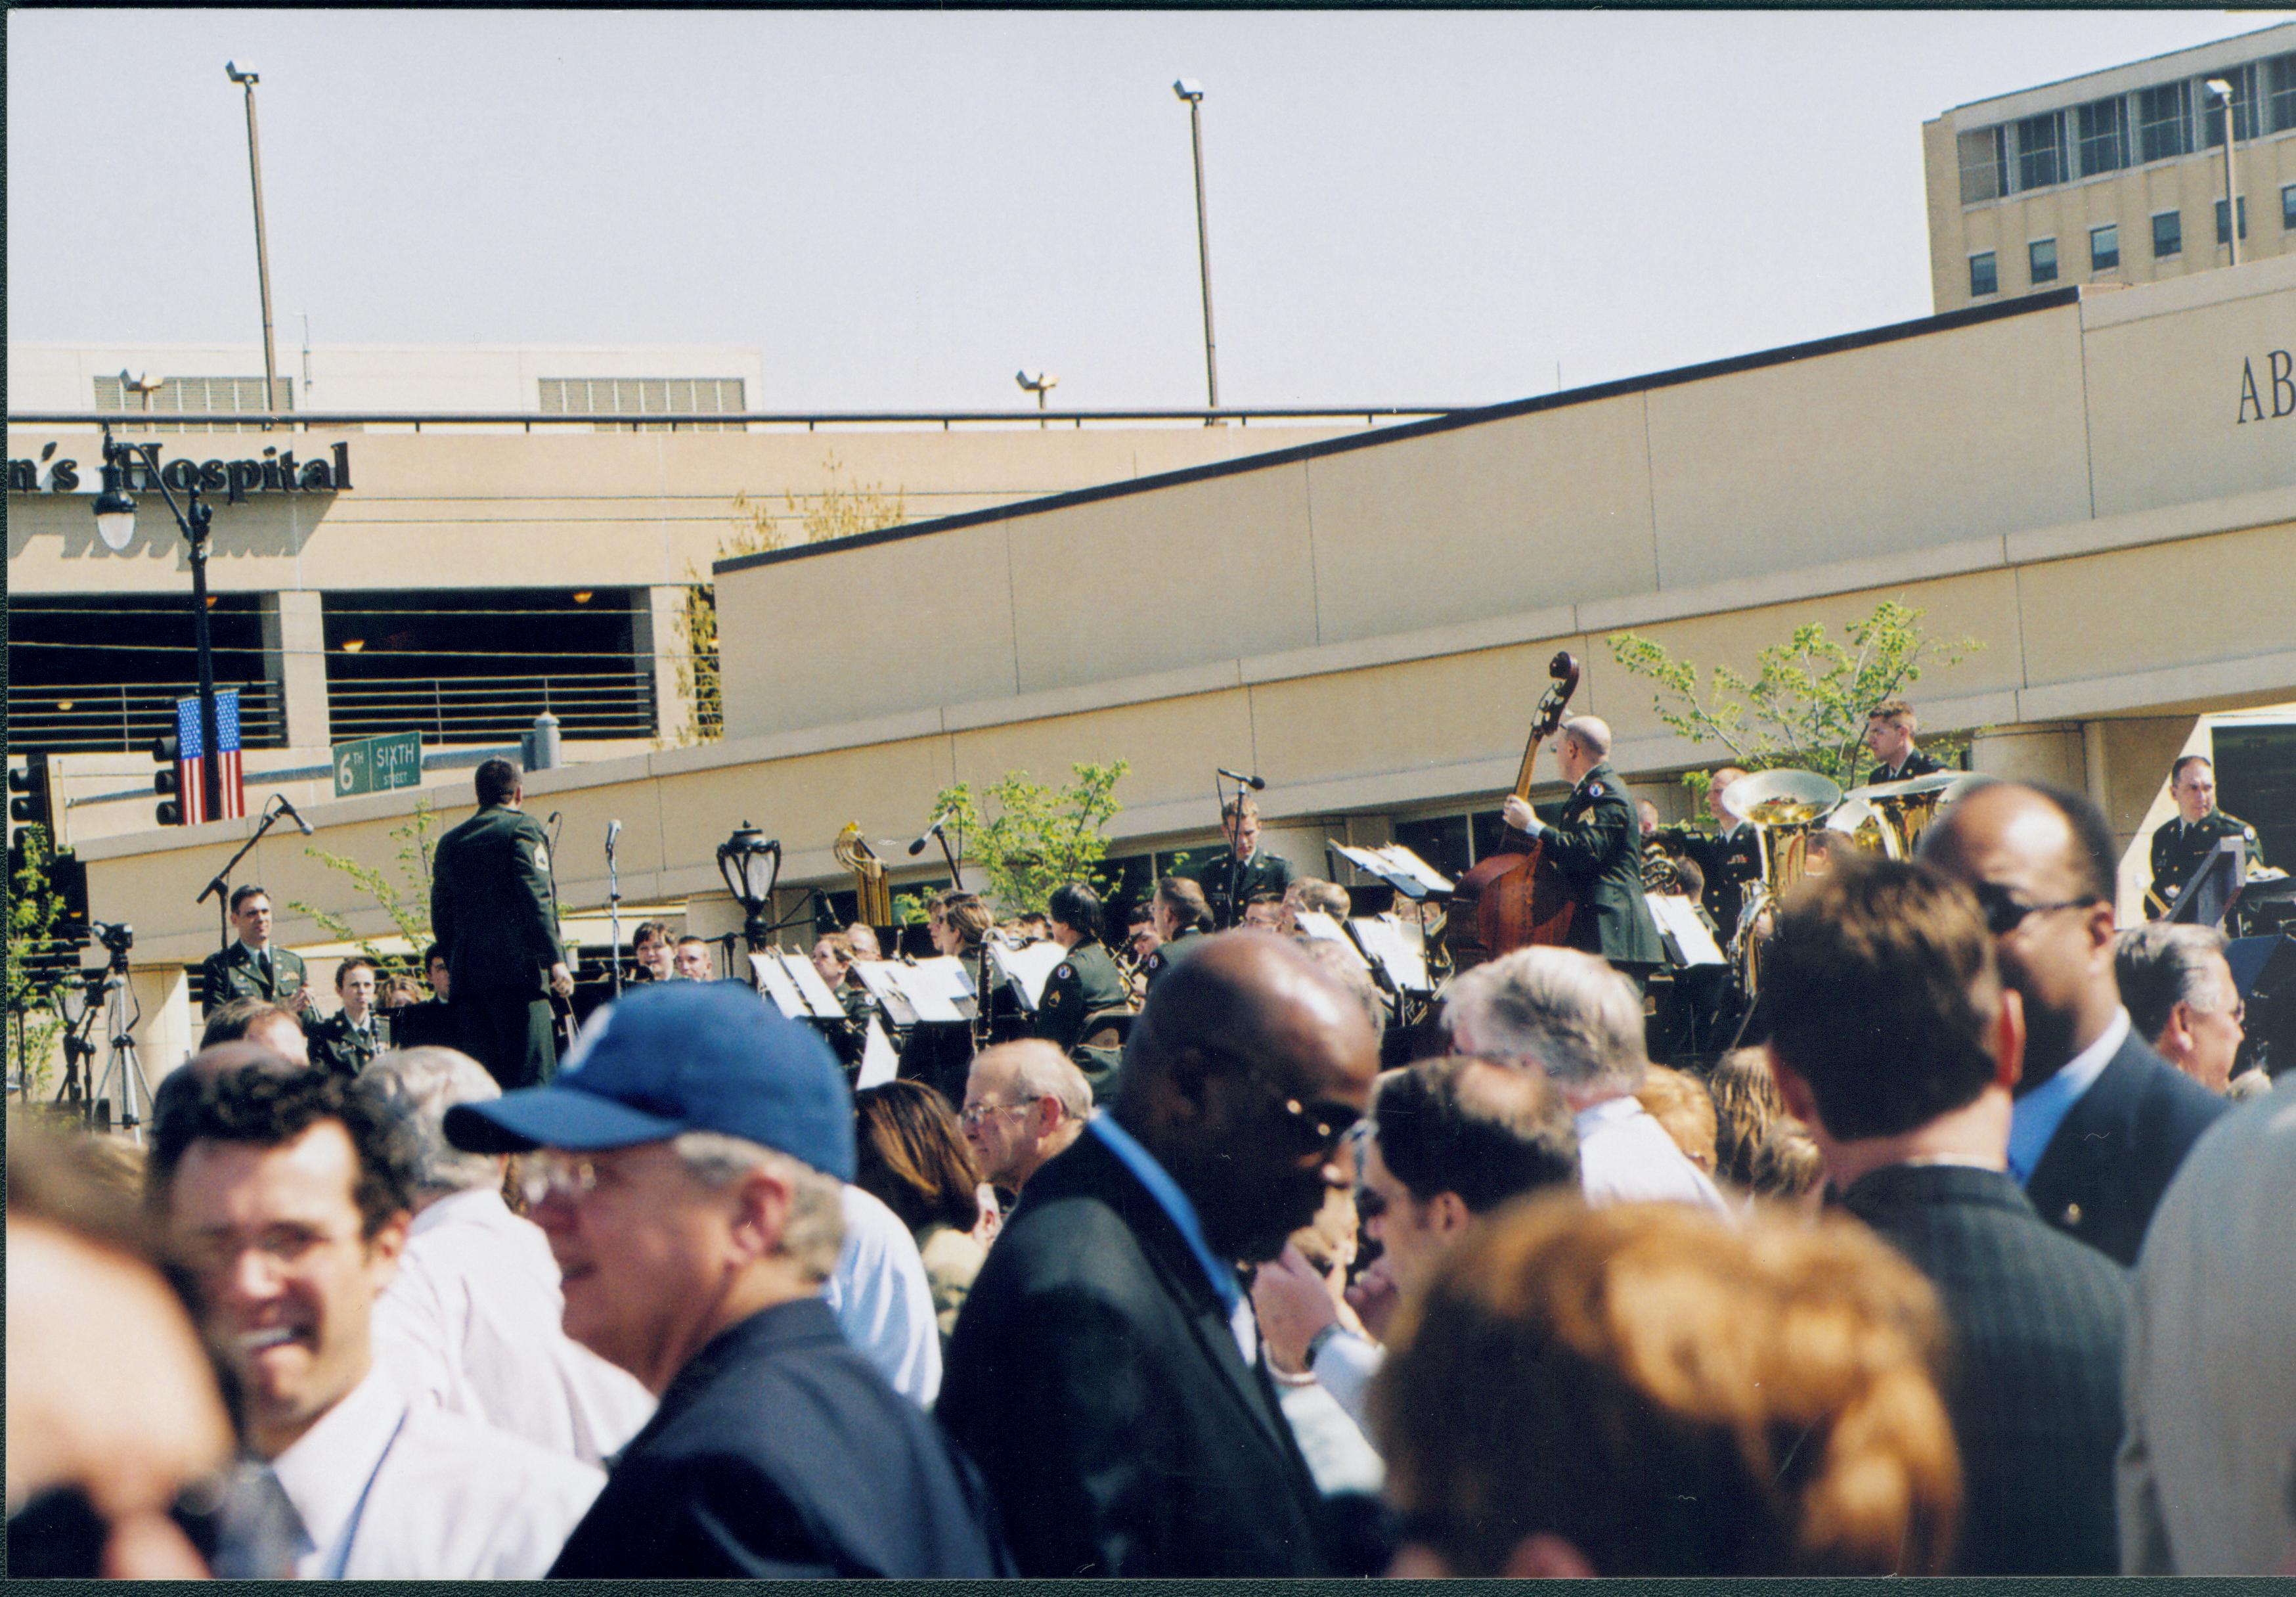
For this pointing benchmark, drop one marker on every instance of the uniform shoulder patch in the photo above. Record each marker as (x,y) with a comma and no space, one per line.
(1594,790)
(542,853)
(1064,971)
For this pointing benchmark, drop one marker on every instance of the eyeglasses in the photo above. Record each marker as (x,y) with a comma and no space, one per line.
(973,1114)
(2005,911)
(545,1175)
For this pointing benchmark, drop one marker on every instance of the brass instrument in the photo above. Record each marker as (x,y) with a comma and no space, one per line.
(869,882)
(1783,807)
(1660,872)
(1889,818)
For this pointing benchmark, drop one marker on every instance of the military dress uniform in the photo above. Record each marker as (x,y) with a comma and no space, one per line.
(495,912)
(1156,964)
(1262,873)
(1081,986)
(429,1024)
(1917,764)
(2178,847)
(274,975)
(339,1046)
(1728,860)
(1595,838)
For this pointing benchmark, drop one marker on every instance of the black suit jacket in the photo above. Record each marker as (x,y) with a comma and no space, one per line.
(1095,1378)
(780,1452)
(2104,1173)
(2034,1383)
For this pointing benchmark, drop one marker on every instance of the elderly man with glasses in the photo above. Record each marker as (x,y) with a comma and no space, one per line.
(1024,1102)
(1107,1372)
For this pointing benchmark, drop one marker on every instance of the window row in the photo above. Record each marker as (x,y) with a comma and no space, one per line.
(2104,245)
(2125,130)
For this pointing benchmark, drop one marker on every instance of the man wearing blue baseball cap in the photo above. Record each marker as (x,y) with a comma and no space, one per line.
(692,1159)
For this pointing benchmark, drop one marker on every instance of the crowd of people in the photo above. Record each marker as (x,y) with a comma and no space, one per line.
(1974,1266)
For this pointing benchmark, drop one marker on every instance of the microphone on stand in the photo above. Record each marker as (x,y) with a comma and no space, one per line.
(1254,783)
(287,811)
(931,831)
(613,830)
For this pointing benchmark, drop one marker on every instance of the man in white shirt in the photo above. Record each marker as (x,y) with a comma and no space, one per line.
(472,1322)
(883,1300)
(1569,1015)
(288,1199)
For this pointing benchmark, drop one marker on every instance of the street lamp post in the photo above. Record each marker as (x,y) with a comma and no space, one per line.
(115,523)
(1193,92)
(247,81)
(750,863)
(1041,385)
(2221,87)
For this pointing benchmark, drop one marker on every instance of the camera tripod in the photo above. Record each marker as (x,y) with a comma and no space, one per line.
(85,1089)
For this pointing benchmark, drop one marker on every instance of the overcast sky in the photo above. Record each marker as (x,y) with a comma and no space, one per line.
(897,209)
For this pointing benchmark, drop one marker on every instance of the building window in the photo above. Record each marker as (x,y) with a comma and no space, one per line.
(1984,171)
(2102,125)
(2288,208)
(2168,235)
(644,396)
(2040,150)
(1984,278)
(2244,106)
(2164,121)
(2104,248)
(198,396)
(2221,238)
(2280,92)
(2041,257)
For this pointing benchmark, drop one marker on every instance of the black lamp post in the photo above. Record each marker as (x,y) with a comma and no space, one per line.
(750,863)
(115,523)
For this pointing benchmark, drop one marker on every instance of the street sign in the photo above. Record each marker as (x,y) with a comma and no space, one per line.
(378,764)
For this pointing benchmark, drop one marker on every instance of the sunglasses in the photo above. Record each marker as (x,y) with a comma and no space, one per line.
(2005,911)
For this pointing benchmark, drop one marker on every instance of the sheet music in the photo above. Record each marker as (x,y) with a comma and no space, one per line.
(879,1060)
(769,978)
(1322,928)
(883,978)
(808,981)
(1396,866)
(1677,917)
(936,986)
(1387,944)
(1028,968)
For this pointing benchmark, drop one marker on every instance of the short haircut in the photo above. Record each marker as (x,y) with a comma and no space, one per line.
(863,936)
(1885,994)
(2177,771)
(420,1085)
(911,1156)
(231,1021)
(496,781)
(1186,901)
(1327,897)
(1671,1395)
(1746,1101)
(2160,966)
(1589,734)
(1557,1009)
(815,1232)
(1242,803)
(1076,907)
(1040,1071)
(692,940)
(1897,711)
(841,946)
(1266,895)
(1141,913)
(240,896)
(1680,1104)
(355,962)
(968,913)
(1484,1131)
(268,1109)
(433,955)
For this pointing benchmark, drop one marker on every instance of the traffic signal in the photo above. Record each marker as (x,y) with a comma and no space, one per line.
(32,794)
(167,780)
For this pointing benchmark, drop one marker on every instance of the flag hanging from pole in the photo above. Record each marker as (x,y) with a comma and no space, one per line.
(188,746)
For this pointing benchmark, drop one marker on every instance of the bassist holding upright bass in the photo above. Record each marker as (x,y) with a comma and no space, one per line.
(1594,839)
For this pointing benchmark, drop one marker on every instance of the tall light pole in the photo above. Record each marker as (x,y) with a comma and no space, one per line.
(247,80)
(1041,385)
(1193,92)
(2222,89)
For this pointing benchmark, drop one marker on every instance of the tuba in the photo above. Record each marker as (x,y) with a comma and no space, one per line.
(1783,807)
(1889,818)
(869,882)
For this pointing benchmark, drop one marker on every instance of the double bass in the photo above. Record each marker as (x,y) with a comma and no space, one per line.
(1513,901)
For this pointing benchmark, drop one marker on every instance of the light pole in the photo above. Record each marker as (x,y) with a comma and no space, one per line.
(115,523)
(1193,92)
(2221,88)
(750,862)
(1042,383)
(247,80)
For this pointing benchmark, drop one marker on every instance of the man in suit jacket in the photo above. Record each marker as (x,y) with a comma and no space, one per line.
(1894,1043)
(690,1182)
(495,913)
(2101,1121)
(1106,1370)
(1596,839)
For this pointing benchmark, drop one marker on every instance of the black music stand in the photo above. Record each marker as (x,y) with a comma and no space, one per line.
(2214,886)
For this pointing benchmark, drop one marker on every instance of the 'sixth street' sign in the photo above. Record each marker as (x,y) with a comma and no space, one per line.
(378,764)
(276,471)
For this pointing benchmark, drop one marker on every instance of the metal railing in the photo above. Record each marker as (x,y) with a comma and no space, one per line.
(588,704)
(128,422)
(124,717)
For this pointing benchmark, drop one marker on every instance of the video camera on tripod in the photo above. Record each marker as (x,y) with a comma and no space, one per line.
(116,936)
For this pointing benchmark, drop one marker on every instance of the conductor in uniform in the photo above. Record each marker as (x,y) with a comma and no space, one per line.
(1232,878)
(495,915)
(1594,837)
(250,968)
(1889,729)
(2179,845)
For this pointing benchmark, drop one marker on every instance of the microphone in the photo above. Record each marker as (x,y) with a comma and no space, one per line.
(287,811)
(1254,783)
(931,831)
(613,830)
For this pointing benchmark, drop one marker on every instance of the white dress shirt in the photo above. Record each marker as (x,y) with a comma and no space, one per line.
(472,1325)
(883,1300)
(390,1489)
(1626,1157)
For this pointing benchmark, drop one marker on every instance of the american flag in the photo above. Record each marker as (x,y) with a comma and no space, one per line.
(187,762)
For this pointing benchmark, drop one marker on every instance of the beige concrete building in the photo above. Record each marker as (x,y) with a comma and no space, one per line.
(1365,620)
(2114,177)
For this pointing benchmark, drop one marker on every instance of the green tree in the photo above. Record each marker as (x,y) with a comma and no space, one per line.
(839,512)
(39,960)
(402,891)
(1805,705)
(1037,836)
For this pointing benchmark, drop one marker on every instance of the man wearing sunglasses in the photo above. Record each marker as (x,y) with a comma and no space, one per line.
(1107,1372)
(2101,1121)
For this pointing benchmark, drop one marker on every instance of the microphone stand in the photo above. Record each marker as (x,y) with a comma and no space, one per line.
(613,909)
(1231,912)
(219,884)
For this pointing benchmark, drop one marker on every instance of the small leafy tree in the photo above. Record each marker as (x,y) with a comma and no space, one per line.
(1037,837)
(38,959)
(402,892)
(839,512)
(1805,705)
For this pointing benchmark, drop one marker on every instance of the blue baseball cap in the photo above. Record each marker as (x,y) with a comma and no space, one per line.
(679,1057)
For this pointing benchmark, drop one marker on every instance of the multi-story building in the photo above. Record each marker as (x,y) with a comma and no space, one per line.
(2115,177)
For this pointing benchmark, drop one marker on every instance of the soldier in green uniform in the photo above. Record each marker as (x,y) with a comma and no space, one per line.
(250,968)
(1596,838)
(1232,878)
(347,1040)
(2179,845)
(1182,918)
(495,915)
(1889,729)
(1081,985)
